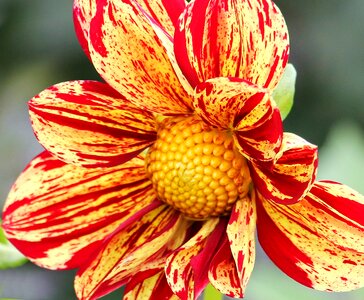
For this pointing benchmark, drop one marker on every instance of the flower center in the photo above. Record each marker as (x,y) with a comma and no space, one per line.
(196,168)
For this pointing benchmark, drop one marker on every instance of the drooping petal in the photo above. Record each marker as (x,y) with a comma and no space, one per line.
(220,101)
(288,179)
(87,123)
(83,11)
(233,103)
(318,241)
(222,38)
(187,267)
(58,214)
(130,56)
(223,274)
(241,234)
(154,287)
(127,251)
(263,141)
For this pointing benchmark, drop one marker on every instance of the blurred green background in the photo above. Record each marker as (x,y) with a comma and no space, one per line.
(38,48)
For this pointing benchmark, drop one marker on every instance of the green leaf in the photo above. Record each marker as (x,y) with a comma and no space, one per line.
(283,94)
(10,257)
(211,293)
(2,235)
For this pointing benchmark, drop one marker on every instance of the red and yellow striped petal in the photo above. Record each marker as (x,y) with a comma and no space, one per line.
(130,56)
(222,38)
(241,234)
(222,272)
(318,241)
(58,214)
(288,179)
(150,281)
(233,264)
(164,12)
(221,101)
(87,123)
(244,108)
(263,141)
(83,11)
(154,287)
(127,251)
(187,267)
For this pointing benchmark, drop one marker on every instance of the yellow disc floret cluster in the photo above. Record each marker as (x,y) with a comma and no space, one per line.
(196,168)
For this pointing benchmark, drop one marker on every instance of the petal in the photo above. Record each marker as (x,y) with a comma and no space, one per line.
(150,281)
(223,38)
(291,176)
(263,141)
(187,267)
(58,214)
(241,234)
(222,272)
(154,287)
(164,12)
(318,241)
(134,244)
(87,123)
(221,101)
(233,103)
(83,11)
(167,43)
(129,55)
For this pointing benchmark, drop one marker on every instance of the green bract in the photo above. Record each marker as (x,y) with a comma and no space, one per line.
(284,92)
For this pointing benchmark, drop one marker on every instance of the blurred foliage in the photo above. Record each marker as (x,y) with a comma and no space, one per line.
(326,42)
(10,257)
(342,156)
(38,48)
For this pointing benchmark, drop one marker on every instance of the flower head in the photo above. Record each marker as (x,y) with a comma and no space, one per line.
(191,83)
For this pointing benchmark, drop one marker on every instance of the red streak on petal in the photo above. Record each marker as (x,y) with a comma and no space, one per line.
(96,34)
(282,256)
(354,211)
(111,160)
(111,15)
(261,23)
(273,70)
(240,260)
(175,276)
(250,103)
(79,124)
(348,261)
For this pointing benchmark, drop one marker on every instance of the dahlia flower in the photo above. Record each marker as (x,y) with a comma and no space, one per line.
(158,177)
